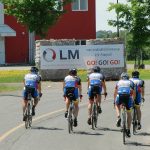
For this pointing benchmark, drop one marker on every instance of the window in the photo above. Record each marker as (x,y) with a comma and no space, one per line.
(80,5)
(80,42)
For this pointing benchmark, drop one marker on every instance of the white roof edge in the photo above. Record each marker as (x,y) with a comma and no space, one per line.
(5,30)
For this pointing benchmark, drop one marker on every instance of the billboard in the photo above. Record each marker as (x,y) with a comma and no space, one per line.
(82,56)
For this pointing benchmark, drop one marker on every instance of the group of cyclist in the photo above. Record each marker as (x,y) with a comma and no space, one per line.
(127,90)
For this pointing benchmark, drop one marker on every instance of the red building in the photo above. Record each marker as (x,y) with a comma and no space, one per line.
(78,23)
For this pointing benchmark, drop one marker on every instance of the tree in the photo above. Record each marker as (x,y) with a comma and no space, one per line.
(135,18)
(37,15)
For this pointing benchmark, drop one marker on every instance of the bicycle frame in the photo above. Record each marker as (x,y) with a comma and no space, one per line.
(28,110)
(134,119)
(94,113)
(70,116)
(123,120)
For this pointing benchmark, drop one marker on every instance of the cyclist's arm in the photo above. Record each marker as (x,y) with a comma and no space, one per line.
(104,86)
(143,89)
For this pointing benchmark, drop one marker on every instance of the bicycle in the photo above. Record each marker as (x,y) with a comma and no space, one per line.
(71,97)
(95,113)
(134,119)
(28,110)
(123,98)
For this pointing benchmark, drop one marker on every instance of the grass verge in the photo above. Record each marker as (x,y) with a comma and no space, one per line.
(9,79)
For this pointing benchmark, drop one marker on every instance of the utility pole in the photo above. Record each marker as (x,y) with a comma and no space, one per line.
(117,23)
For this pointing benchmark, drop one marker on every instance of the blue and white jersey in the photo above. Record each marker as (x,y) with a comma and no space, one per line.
(31,80)
(138,84)
(124,86)
(70,81)
(96,79)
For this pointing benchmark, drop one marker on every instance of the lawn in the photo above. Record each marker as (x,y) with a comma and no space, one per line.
(16,76)
(146,62)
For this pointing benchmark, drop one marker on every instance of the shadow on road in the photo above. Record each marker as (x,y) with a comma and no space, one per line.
(138,144)
(12,95)
(143,134)
(45,128)
(108,129)
(87,133)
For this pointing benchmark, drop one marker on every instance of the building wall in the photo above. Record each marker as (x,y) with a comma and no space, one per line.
(76,24)
(73,24)
(17,48)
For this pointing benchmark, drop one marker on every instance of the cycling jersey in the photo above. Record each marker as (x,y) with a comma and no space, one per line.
(31,80)
(124,94)
(95,84)
(70,82)
(138,85)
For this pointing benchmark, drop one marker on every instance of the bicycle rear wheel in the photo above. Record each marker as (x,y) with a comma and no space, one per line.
(70,121)
(28,121)
(134,121)
(124,125)
(94,116)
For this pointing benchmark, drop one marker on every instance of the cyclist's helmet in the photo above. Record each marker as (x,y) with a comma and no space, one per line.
(135,74)
(34,69)
(73,72)
(96,69)
(124,75)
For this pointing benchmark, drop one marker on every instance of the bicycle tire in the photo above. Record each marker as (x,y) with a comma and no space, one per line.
(124,125)
(92,118)
(30,114)
(70,121)
(134,121)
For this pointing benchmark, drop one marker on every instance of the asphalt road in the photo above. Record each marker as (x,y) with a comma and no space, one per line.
(49,129)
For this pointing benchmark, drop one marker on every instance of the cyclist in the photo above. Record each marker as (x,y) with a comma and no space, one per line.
(32,80)
(139,89)
(124,93)
(72,81)
(96,81)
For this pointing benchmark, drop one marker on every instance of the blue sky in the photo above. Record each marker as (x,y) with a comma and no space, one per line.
(102,15)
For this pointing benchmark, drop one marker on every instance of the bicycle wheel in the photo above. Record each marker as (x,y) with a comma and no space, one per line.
(134,121)
(70,121)
(30,114)
(124,124)
(93,116)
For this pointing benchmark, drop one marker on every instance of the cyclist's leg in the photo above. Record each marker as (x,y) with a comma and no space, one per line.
(117,107)
(91,99)
(36,99)
(129,106)
(24,103)
(76,110)
(138,110)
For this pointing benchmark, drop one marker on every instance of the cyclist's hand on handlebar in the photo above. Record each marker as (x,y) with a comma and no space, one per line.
(105,94)
(143,99)
(81,97)
(40,94)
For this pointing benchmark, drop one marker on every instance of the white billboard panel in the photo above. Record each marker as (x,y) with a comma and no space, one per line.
(82,56)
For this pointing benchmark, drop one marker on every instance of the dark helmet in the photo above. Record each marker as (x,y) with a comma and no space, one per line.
(73,72)
(124,75)
(135,74)
(96,69)
(34,69)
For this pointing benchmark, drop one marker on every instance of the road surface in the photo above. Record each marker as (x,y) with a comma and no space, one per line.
(49,128)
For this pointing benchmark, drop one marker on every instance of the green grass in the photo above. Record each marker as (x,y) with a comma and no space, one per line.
(8,79)
(146,62)
(12,76)
(8,88)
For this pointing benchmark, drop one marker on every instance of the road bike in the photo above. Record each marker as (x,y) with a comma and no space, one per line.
(94,112)
(124,99)
(28,110)
(134,119)
(71,97)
